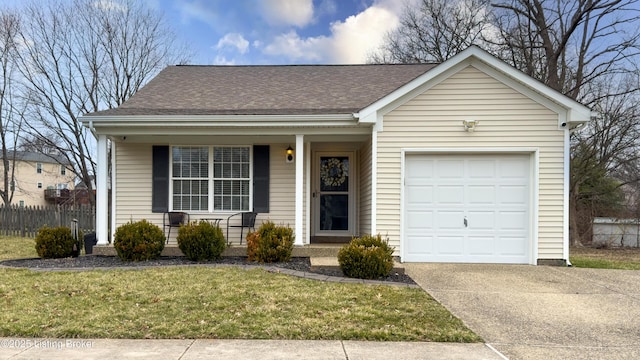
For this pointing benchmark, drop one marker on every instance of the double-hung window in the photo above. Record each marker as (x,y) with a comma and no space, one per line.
(211,178)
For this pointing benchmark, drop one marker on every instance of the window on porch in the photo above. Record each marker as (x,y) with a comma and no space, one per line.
(210,178)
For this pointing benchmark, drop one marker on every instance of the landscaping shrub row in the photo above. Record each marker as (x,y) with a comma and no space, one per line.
(366,257)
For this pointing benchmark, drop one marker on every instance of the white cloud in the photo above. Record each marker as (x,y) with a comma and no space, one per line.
(109,5)
(234,40)
(190,10)
(221,60)
(360,34)
(294,47)
(288,12)
(350,41)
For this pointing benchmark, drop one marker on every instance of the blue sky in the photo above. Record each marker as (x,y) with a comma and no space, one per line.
(281,31)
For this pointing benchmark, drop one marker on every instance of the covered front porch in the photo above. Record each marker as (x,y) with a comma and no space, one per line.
(318,182)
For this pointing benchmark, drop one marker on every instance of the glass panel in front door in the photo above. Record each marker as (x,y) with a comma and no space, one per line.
(334,193)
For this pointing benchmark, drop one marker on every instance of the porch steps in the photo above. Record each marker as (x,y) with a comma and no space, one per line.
(331,263)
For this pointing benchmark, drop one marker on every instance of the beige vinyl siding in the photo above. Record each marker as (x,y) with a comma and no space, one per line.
(133,184)
(282,187)
(507,119)
(364,201)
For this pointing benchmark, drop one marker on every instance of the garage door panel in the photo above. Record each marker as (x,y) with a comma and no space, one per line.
(450,195)
(449,169)
(514,169)
(492,191)
(513,220)
(512,246)
(481,220)
(482,169)
(481,194)
(420,245)
(481,245)
(420,169)
(420,221)
(450,245)
(513,194)
(420,195)
(449,220)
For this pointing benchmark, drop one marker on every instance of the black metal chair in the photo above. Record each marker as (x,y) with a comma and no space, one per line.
(247,220)
(173,219)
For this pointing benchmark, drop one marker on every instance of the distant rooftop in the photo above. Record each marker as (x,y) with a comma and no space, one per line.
(38,157)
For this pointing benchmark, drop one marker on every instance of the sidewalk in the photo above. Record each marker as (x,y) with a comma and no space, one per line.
(70,349)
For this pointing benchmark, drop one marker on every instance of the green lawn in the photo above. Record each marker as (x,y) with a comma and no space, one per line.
(199,302)
(606,258)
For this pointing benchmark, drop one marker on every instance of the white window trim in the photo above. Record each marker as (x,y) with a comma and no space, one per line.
(210,179)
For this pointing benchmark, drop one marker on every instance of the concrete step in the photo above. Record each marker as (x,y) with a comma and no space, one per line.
(331,263)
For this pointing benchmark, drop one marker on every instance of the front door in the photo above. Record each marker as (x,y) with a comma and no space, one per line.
(334,200)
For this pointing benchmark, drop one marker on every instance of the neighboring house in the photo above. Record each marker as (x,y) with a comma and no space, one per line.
(40,179)
(466,161)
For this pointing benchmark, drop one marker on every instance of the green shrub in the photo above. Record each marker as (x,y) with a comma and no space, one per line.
(137,241)
(201,241)
(270,243)
(56,242)
(367,257)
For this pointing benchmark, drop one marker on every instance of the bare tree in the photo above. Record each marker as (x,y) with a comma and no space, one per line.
(605,158)
(435,30)
(83,56)
(588,50)
(12,104)
(568,44)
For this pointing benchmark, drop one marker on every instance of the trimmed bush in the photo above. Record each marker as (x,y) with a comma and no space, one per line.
(366,257)
(138,241)
(270,243)
(52,243)
(201,241)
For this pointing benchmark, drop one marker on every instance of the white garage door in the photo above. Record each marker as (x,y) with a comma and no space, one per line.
(467,208)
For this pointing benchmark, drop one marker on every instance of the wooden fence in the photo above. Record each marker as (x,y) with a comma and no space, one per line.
(25,221)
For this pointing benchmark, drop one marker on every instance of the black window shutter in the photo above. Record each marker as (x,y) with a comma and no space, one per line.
(160,179)
(261,178)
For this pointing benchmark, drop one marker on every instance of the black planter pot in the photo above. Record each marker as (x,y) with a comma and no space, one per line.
(89,241)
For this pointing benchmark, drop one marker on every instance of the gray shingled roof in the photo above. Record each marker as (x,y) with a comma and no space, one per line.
(38,157)
(265,90)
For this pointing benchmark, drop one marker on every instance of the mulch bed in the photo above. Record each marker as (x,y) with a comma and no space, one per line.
(97,261)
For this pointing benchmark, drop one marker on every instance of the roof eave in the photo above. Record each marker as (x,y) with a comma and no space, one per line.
(183,122)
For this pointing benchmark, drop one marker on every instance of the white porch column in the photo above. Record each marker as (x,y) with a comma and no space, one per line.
(102,192)
(299,189)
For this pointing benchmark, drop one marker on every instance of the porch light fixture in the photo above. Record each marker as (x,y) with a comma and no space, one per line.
(289,154)
(470,125)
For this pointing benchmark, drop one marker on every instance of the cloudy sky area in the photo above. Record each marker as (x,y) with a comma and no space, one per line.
(281,31)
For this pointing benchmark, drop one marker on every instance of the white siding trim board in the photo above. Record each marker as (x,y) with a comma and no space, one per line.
(533,190)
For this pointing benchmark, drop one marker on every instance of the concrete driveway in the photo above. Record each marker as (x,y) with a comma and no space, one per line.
(541,312)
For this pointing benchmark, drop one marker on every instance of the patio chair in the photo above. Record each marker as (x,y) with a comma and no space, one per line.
(173,219)
(247,220)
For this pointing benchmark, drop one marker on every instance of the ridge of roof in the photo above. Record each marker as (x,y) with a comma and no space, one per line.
(302,65)
(266,89)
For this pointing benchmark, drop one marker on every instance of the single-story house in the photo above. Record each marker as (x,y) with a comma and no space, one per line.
(463,161)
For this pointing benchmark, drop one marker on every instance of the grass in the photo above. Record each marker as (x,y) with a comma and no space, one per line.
(605,258)
(17,248)
(199,302)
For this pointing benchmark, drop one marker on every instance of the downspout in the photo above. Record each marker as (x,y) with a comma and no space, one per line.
(93,129)
(567,180)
